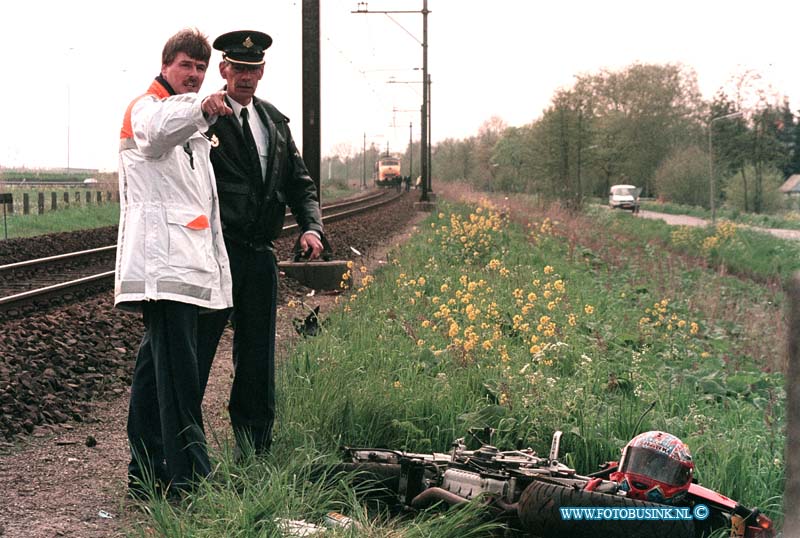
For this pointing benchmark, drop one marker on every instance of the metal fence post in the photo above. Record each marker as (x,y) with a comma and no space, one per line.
(7,200)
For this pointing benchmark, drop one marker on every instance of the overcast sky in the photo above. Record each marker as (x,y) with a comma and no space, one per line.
(71,67)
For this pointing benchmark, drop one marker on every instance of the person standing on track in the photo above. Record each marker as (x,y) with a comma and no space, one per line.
(259,172)
(171,264)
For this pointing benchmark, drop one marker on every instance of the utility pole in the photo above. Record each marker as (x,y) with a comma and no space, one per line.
(430,160)
(425,151)
(311,91)
(364,163)
(411,149)
(426,143)
(410,126)
(791,492)
(69,105)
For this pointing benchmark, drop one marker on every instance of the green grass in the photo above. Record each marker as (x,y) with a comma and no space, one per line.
(733,248)
(294,485)
(478,322)
(337,189)
(63,220)
(83,216)
(789,220)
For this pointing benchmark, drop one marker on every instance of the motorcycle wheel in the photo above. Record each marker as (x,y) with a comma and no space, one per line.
(539,505)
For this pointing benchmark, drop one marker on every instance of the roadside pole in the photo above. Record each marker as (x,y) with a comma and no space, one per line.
(791,494)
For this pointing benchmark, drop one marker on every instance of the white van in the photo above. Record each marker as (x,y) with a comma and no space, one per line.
(624,197)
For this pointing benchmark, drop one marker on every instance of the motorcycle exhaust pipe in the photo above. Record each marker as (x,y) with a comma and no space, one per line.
(431,495)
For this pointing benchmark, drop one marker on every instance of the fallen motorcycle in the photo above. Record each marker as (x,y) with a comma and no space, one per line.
(540,496)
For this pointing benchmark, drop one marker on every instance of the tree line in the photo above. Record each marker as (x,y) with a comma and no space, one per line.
(646,125)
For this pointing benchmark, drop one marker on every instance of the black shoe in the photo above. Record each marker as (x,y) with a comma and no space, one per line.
(140,491)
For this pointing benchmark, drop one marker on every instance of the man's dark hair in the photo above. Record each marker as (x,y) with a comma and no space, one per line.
(189,40)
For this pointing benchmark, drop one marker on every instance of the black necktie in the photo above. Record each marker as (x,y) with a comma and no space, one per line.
(250,141)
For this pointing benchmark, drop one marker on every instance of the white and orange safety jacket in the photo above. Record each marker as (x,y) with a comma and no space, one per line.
(170,244)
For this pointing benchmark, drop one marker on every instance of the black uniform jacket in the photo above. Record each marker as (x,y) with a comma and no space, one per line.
(252,206)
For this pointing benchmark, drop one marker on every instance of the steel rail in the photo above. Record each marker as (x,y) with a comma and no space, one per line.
(55,288)
(58,258)
(82,282)
(70,256)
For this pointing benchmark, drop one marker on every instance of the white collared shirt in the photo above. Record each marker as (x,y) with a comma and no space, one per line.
(260,132)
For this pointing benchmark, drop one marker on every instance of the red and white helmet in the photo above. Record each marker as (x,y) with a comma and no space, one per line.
(655,466)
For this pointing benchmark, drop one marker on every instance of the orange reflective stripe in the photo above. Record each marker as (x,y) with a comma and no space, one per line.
(200,223)
(155,89)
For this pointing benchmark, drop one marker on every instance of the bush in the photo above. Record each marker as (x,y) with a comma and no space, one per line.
(683,177)
(772,200)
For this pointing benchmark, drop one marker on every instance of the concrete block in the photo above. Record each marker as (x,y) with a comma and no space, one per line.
(319,275)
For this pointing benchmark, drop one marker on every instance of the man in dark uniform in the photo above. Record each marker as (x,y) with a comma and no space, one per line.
(259,172)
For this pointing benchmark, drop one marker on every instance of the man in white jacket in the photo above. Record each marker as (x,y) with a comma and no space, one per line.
(171,263)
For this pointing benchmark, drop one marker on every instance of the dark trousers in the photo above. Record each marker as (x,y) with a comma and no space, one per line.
(252,401)
(165,418)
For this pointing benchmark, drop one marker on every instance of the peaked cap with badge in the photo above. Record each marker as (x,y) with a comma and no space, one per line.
(244,47)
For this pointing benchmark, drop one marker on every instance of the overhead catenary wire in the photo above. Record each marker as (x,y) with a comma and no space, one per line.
(368,55)
(383,101)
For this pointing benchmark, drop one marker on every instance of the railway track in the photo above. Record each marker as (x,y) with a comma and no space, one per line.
(87,271)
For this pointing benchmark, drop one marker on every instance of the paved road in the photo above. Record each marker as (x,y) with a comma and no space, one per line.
(685,220)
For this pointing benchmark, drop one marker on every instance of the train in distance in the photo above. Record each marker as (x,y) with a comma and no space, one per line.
(387,171)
